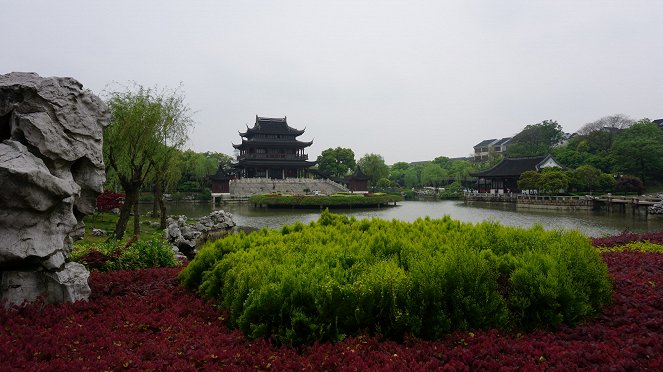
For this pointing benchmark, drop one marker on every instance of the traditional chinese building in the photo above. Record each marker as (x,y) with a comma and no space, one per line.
(358,181)
(270,149)
(220,181)
(503,177)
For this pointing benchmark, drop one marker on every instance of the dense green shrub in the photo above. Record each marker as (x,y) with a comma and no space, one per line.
(336,200)
(113,255)
(341,276)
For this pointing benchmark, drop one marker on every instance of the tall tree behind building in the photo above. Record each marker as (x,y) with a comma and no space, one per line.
(536,139)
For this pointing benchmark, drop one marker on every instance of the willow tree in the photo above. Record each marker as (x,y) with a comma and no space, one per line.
(374,167)
(172,134)
(146,125)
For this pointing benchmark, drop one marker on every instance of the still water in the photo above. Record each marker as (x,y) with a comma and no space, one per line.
(589,222)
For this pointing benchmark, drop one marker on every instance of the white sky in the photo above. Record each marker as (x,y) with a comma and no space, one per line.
(410,80)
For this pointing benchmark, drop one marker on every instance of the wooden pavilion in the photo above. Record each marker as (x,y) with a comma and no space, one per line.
(503,177)
(270,149)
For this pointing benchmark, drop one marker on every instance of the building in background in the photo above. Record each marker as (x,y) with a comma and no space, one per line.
(485,148)
(270,149)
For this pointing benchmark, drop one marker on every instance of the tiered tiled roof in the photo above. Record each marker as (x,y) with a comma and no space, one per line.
(513,167)
(271,126)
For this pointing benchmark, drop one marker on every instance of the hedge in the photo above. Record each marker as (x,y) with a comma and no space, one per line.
(341,276)
(331,201)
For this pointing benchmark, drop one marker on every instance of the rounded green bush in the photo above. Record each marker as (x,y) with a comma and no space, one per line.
(340,276)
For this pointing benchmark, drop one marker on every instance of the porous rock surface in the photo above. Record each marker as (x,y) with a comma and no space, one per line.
(658,207)
(51,171)
(186,237)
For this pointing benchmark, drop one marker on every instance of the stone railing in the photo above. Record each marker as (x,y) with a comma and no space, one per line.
(524,199)
(273,156)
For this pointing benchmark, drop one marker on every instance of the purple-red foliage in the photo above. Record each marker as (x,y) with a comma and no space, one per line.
(628,237)
(143,320)
(108,200)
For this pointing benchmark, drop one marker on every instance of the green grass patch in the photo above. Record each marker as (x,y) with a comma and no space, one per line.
(110,255)
(634,247)
(104,253)
(340,276)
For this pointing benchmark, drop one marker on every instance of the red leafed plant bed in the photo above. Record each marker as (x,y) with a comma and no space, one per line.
(628,237)
(143,320)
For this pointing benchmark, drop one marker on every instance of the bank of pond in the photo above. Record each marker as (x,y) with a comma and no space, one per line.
(338,200)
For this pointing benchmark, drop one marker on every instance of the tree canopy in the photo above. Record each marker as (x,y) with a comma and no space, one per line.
(374,167)
(336,162)
(145,125)
(638,151)
(536,139)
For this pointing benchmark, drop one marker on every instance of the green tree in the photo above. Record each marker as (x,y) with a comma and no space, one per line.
(607,182)
(638,151)
(536,139)
(529,180)
(134,143)
(383,183)
(196,166)
(411,177)
(553,180)
(397,173)
(460,169)
(576,154)
(432,174)
(585,178)
(172,134)
(336,162)
(374,167)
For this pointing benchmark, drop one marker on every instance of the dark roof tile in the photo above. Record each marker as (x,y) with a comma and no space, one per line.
(513,166)
(485,142)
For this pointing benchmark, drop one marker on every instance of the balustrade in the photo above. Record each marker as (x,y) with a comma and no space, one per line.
(273,156)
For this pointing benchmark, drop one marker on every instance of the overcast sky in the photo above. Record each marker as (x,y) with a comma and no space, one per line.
(410,80)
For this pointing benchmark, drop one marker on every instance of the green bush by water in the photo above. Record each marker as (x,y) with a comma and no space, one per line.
(341,276)
(331,201)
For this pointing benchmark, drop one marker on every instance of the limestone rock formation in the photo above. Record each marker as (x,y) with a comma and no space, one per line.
(658,207)
(51,170)
(186,237)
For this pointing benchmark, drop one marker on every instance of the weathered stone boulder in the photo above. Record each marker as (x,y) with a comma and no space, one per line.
(51,170)
(658,207)
(186,237)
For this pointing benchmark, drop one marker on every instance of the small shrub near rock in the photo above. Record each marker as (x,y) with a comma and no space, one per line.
(113,255)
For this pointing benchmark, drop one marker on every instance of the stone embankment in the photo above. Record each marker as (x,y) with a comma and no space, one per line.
(294,186)
(51,171)
(187,237)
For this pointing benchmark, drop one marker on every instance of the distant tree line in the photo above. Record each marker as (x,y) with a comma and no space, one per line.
(149,126)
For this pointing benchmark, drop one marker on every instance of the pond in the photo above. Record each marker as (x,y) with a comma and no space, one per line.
(591,223)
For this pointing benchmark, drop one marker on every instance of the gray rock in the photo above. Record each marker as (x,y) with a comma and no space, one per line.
(186,237)
(51,170)
(98,232)
(66,285)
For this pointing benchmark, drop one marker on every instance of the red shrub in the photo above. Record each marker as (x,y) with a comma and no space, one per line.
(107,201)
(628,237)
(143,320)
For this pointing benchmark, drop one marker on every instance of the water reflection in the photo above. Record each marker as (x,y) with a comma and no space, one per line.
(589,222)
